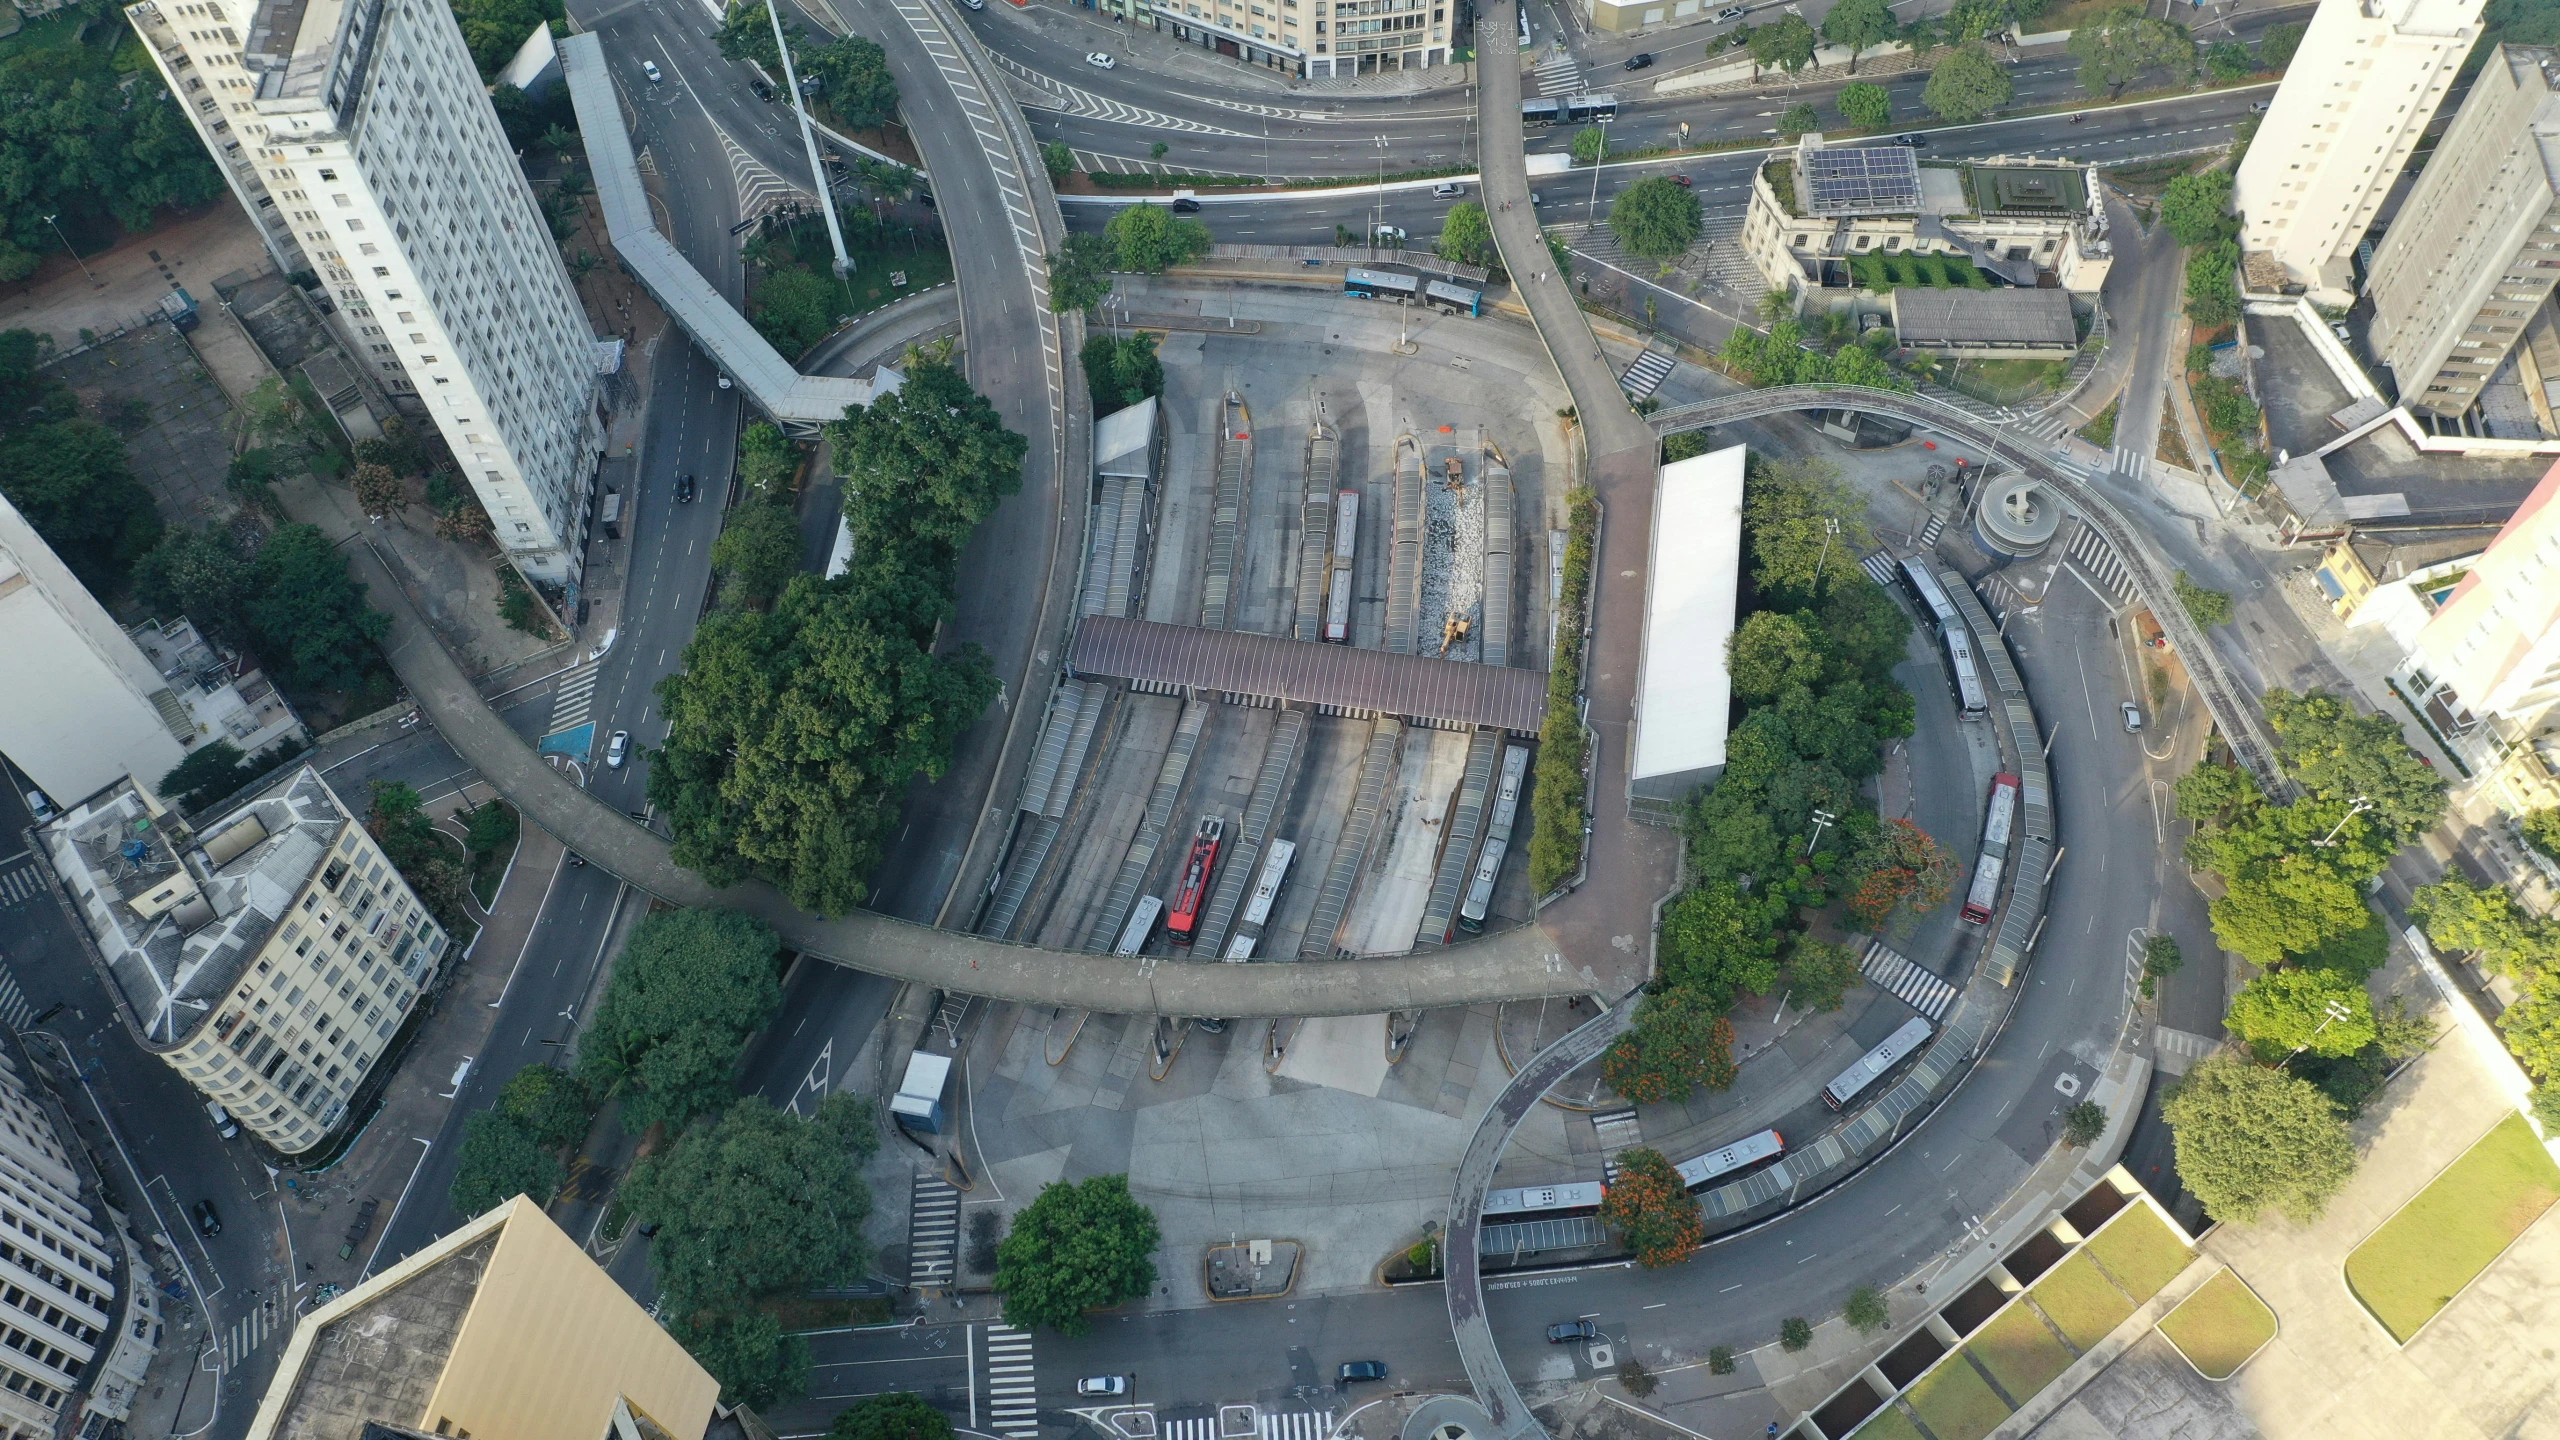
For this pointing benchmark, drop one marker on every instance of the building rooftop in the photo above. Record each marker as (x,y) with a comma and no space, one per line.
(1684,695)
(177,927)
(1124,441)
(1958,319)
(224,700)
(1858,180)
(2028,189)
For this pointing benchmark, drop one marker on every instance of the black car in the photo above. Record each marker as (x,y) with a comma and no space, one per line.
(684,489)
(1915,140)
(1185,205)
(1362,1370)
(1572,1330)
(208,1219)
(1640,62)
(763,91)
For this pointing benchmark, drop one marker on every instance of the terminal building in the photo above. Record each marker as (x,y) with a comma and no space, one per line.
(1684,694)
(269,956)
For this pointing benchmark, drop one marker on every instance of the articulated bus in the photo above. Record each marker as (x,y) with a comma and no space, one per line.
(1454,299)
(1540,112)
(1897,1047)
(1362,283)
(1739,1155)
(1995,850)
(1346,548)
(1584,109)
(1497,844)
(1543,1202)
(1924,588)
(1970,696)
(1182,919)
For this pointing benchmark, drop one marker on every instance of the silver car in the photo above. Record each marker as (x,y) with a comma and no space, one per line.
(618,749)
(2132,718)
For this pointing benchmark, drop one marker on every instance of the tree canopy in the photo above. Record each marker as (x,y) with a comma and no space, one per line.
(2303,1008)
(758,551)
(2197,207)
(1681,1041)
(2251,1139)
(1780,358)
(2116,48)
(1120,372)
(1080,273)
(898,1415)
(497,1160)
(1655,218)
(1651,1205)
(1967,85)
(310,617)
(1076,1248)
(1466,236)
(1856,25)
(1786,43)
(496,29)
(1866,105)
(88,145)
(853,75)
(1151,238)
(691,986)
(2338,752)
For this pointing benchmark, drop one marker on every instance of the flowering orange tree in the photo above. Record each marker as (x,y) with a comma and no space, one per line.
(1681,1041)
(1902,863)
(1649,1205)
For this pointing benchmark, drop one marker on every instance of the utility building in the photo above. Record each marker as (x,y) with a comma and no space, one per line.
(2358,95)
(269,957)
(362,130)
(1684,694)
(2469,264)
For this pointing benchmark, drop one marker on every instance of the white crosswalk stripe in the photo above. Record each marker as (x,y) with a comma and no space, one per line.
(1297,1425)
(1930,532)
(933,1236)
(14,1005)
(2129,462)
(1048,93)
(1203,1428)
(19,883)
(1909,983)
(1558,74)
(2099,558)
(1646,375)
(245,1336)
(1013,1387)
(575,698)
(2180,1049)
(1879,566)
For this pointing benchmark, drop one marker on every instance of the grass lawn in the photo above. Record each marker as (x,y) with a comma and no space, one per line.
(2020,1352)
(2102,431)
(2080,1299)
(2465,1218)
(1889,1423)
(1956,1403)
(2140,1252)
(2173,444)
(925,266)
(2220,1326)
(491,868)
(2005,382)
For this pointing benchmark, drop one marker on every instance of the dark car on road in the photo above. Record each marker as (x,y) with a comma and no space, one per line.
(684,489)
(1566,1332)
(1914,139)
(1642,61)
(208,1219)
(1363,1370)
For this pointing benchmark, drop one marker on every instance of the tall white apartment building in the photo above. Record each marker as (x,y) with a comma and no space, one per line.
(61,1337)
(2359,93)
(361,129)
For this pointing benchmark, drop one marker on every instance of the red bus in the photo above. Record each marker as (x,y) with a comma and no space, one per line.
(1182,917)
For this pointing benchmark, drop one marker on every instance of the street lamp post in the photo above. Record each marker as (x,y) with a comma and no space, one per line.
(1821,818)
(1830,527)
(2331,1012)
(1591,216)
(2360,805)
(94,282)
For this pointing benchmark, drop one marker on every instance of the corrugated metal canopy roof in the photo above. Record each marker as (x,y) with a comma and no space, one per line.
(1269,666)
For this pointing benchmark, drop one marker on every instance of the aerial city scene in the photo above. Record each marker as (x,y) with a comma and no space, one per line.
(1279,719)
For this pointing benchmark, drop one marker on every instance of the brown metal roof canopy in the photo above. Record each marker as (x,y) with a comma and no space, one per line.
(1271,667)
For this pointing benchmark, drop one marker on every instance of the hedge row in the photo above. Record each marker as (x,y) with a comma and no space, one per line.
(1555,839)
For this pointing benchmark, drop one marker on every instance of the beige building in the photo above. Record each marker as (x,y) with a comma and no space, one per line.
(361,131)
(1844,219)
(502,1330)
(1313,38)
(2468,267)
(269,956)
(2484,667)
(2358,95)
(112,704)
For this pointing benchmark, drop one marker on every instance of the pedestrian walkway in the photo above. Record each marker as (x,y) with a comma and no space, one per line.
(1930,532)
(1879,565)
(1297,1425)
(571,703)
(1897,975)
(2176,1050)
(2129,462)
(14,1005)
(247,1334)
(1646,375)
(1202,1427)
(1558,74)
(2099,558)
(1013,1386)
(933,1233)
(1724,264)
(19,881)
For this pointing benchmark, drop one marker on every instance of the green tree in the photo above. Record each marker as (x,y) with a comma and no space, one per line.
(2197,207)
(1074,1249)
(83,143)
(1787,43)
(2461,917)
(1856,25)
(1794,1333)
(500,1158)
(2083,1123)
(853,74)
(2207,608)
(1059,161)
(1466,236)
(761,1203)
(1866,105)
(1967,85)
(2322,1011)
(1683,445)
(1821,973)
(2213,789)
(1972,20)
(489,826)
(897,1415)
(2229,61)
(758,551)
(2340,753)
(746,33)
(1651,1206)
(694,984)
(1151,238)
(795,309)
(2295,876)
(1721,940)
(1120,372)
(2541,830)
(1680,1041)
(2161,959)
(1866,1311)
(2116,48)
(1080,273)
(2250,1139)
(766,459)
(70,479)
(550,1104)
(1655,218)
(495,29)
(214,770)
(1787,509)
(309,616)
(1589,144)
(2213,295)
(1768,653)
(1796,120)
(2276,46)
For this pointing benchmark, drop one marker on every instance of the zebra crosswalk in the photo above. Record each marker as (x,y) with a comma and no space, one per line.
(1646,375)
(20,883)
(1013,1387)
(2129,462)
(1879,566)
(1930,532)
(1914,986)
(247,1334)
(1558,74)
(2179,1049)
(1297,1425)
(2099,558)
(572,702)
(15,1008)
(933,1232)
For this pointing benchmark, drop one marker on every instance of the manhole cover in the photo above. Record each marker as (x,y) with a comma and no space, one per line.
(1602,1358)
(2067,1083)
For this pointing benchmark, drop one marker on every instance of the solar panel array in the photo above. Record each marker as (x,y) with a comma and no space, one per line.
(1869,180)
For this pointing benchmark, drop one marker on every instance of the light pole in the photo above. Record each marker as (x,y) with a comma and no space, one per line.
(809,141)
(75,255)
(2331,1012)
(2360,805)
(1821,818)
(1830,527)
(1591,216)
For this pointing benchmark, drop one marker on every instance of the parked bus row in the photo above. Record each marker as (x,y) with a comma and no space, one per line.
(1985,894)
(1362,283)
(1964,674)
(1582,1197)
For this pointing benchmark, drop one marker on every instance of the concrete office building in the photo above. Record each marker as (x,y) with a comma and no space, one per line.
(74,1328)
(1830,223)
(269,958)
(1310,38)
(502,1330)
(110,704)
(2468,266)
(2357,96)
(374,146)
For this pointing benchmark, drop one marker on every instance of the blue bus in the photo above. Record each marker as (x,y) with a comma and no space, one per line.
(1455,299)
(1364,284)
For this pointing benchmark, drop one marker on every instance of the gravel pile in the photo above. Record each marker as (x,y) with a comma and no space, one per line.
(1452,552)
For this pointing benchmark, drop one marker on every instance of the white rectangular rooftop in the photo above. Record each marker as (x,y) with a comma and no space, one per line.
(1683,693)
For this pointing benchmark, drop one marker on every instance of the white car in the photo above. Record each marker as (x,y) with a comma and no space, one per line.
(1103,1385)
(1100,61)
(650,69)
(1450,191)
(618,749)
(1387,234)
